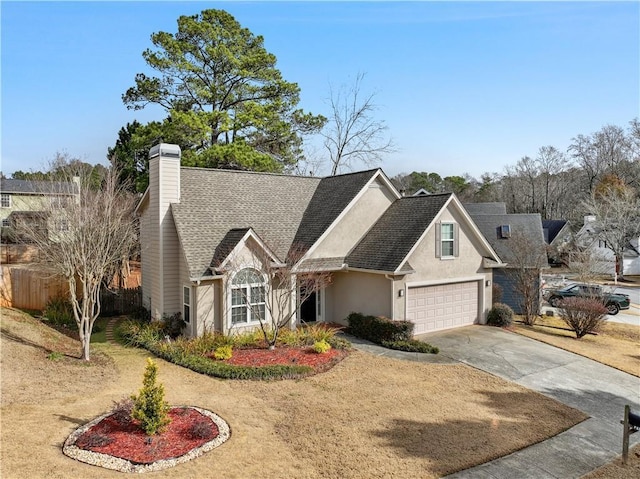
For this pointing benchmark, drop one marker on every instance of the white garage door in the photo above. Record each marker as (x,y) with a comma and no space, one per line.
(433,308)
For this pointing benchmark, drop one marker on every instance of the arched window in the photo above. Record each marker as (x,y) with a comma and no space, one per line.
(247,297)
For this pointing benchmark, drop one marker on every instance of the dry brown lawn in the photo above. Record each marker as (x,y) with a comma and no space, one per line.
(367,417)
(616,345)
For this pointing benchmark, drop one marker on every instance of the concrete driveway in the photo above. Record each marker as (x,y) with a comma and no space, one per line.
(596,389)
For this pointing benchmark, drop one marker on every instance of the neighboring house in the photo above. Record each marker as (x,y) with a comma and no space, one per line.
(418,258)
(603,257)
(518,240)
(23,201)
(558,236)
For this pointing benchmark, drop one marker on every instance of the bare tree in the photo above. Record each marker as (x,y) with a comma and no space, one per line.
(617,211)
(83,239)
(353,134)
(526,259)
(274,303)
(605,151)
(551,163)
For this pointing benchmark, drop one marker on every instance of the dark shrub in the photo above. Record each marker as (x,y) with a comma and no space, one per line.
(412,346)
(93,439)
(173,325)
(583,315)
(378,328)
(121,410)
(201,430)
(141,314)
(500,315)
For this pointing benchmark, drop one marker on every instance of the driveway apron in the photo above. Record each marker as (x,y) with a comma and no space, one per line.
(598,390)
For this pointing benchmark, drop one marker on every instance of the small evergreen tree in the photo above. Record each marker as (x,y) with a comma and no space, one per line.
(149,406)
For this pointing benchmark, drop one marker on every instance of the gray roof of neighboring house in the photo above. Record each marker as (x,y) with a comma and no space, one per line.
(527,226)
(333,195)
(486,208)
(551,229)
(388,242)
(215,202)
(28,187)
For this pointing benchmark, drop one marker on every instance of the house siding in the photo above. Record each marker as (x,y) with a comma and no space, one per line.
(162,284)
(356,222)
(510,296)
(206,311)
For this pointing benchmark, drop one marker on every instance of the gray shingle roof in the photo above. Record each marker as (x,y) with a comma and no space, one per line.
(388,242)
(528,226)
(226,246)
(28,187)
(551,229)
(330,199)
(486,208)
(213,202)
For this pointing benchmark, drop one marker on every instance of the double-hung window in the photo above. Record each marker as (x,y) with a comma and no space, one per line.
(247,297)
(5,200)
(447,240)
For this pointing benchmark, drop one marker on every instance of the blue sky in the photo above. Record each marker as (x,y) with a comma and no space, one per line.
(464,87)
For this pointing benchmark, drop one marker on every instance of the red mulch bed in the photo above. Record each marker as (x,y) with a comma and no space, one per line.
(188,429)
(285,355)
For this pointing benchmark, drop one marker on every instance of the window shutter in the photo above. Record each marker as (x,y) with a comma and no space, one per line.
(456,246)
(438,240)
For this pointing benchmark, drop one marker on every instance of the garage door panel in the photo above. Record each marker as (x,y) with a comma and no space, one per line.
(434,308)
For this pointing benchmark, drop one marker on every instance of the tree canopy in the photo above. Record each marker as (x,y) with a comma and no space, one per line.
(227,104)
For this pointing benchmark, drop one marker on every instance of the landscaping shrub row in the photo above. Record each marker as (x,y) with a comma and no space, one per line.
(390,334)
(378,328)
(190,353)
(411,346)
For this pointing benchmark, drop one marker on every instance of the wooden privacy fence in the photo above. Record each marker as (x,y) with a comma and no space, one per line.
(29,288)
(122,301)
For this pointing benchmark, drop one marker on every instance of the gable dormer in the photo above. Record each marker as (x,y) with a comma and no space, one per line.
(364,209)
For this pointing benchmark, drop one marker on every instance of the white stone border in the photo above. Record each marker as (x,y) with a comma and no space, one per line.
(111,462)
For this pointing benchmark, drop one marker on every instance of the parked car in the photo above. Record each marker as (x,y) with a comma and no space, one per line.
(614,302)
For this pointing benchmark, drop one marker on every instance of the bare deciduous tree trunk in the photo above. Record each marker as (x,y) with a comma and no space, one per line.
(83,239)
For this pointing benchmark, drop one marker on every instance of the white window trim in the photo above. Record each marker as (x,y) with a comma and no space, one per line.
(2,197)
(455,241)
(251,321)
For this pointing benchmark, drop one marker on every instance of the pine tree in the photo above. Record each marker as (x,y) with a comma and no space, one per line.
(149,406)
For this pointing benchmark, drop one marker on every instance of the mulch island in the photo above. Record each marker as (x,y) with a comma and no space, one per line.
(122,445)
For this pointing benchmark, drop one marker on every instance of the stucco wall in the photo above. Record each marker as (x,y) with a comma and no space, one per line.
(467,266)
(358,220)
(358,292)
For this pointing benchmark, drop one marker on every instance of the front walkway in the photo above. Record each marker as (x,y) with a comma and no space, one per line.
(598,390)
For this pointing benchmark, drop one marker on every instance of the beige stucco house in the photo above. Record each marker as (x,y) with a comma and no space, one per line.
(205,235)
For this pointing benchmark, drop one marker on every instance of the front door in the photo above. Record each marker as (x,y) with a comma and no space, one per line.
(308,309)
